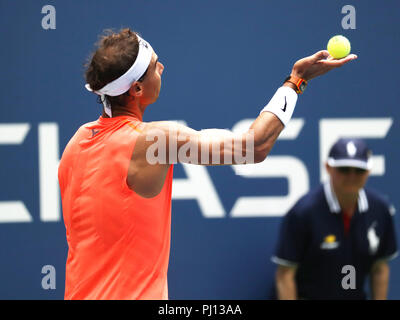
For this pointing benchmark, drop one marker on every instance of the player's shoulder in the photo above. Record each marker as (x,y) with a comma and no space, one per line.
(86,126)
(72,145)
(82,129)
(166,127)
(168,124)
(379,201)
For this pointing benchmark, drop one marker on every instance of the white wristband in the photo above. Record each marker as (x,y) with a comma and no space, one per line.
(282,104)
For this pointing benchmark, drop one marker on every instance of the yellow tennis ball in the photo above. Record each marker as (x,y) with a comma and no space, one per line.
(339,47)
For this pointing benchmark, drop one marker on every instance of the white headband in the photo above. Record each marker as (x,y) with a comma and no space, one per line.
(124,82)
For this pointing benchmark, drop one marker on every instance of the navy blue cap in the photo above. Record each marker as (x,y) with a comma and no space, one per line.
(350,153)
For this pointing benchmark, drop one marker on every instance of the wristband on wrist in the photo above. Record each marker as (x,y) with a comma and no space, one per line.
(282,104)
(299,83)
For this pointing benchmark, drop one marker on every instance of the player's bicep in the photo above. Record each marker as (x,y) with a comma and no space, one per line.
(174,142)
(168,142)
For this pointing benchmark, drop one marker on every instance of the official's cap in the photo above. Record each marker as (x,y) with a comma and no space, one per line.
(350,153)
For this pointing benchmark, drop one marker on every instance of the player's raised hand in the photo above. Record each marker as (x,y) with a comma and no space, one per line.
(318,64)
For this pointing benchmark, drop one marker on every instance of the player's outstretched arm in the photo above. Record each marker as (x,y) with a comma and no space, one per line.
(163,143)
(169,142)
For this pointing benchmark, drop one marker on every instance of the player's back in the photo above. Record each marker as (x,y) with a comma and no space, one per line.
(118,241)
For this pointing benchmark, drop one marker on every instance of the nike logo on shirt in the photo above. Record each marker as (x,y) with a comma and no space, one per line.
(94,132)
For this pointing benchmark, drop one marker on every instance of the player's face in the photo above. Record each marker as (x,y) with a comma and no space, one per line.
(152,80)
(347,179)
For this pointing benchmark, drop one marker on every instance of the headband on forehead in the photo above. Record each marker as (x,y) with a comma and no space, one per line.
(124,82)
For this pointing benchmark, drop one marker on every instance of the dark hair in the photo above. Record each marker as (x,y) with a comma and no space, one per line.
(115,54)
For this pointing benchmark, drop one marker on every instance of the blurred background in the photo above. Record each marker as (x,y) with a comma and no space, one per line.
(223,62)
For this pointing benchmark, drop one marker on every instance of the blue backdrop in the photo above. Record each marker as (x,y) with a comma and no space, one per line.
(223,61)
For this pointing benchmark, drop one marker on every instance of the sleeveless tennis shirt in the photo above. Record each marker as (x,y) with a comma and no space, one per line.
(118,241)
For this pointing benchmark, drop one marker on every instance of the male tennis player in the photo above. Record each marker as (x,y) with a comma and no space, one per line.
(116,172)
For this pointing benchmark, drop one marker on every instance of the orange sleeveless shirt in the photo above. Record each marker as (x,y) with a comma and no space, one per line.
(118,241)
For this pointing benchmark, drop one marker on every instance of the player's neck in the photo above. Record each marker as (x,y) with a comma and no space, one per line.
(132,109)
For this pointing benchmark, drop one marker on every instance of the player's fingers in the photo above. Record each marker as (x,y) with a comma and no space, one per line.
(338,62)
(351,57)
(320,55)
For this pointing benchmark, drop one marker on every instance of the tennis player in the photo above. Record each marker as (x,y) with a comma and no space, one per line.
(116,172)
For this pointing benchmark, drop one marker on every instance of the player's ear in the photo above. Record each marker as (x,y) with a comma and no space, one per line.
(136,89)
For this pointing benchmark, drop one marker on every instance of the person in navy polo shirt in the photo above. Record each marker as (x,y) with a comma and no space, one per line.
(338,234)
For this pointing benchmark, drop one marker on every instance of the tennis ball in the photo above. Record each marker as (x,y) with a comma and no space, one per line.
(339,47)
